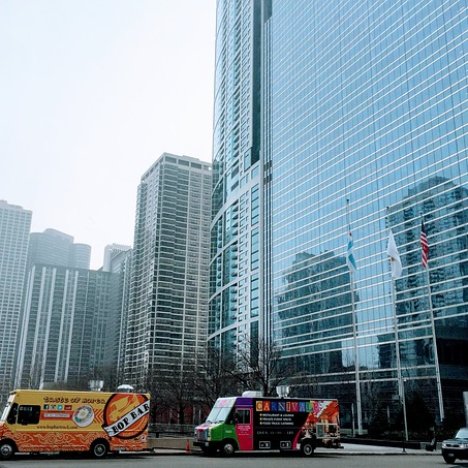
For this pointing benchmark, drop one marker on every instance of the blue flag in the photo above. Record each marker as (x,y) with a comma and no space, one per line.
(351,262)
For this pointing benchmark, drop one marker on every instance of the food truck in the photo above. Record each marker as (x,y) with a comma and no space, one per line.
(38,421)
(286,424)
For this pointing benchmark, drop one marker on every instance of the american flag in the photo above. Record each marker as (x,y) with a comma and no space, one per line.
(424,246)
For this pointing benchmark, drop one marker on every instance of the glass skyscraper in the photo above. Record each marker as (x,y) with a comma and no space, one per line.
(363,130)
(236,232)
(367,124)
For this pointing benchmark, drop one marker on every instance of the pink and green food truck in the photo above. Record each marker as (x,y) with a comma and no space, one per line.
(268,423)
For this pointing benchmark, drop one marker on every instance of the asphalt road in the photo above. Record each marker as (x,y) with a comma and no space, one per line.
(259,460)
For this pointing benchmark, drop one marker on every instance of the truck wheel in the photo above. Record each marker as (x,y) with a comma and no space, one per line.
(7,450)
(449,458)
(307,449)
(228,448)
(208,451)
(99,449)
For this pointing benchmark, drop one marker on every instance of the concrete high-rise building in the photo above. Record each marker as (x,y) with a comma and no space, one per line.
(15,224)
(363,128)
(167,320)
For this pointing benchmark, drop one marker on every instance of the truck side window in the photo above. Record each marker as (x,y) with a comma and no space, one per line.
(29,414)
(11,419)
(243,416)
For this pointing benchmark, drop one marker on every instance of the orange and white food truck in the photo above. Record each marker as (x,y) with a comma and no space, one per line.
(63,421)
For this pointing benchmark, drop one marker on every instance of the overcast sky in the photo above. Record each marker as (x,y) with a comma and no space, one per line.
(91,93)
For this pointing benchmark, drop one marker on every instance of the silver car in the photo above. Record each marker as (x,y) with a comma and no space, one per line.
(456,448)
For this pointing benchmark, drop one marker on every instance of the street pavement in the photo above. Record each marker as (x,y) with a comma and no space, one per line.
(347,449)
(350,456)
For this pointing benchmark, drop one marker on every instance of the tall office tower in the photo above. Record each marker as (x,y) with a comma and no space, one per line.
(53,247)
(365,111)
(15,224)
(64,337)
(50,247)
(236,230)
(80,256)
(167,319)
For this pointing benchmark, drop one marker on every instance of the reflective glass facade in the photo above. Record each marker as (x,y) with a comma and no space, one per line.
(367,103)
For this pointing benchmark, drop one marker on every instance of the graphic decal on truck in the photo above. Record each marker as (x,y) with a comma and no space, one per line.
(124,415)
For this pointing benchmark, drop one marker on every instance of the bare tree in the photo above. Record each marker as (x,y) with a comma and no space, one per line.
(173,393)
(260,367)
(214,378)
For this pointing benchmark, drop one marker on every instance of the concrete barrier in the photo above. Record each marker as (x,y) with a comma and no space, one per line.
(175,443)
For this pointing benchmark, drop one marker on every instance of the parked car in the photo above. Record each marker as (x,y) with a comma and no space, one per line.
(456,448)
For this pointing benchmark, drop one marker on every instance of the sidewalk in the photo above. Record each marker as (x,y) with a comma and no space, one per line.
(361,449)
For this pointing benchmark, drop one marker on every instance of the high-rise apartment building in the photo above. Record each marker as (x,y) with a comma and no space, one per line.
(113,258)
(363,124)
(118,260)
(66,332)
(15,224)
(236,232)
(167,319)
(71,320)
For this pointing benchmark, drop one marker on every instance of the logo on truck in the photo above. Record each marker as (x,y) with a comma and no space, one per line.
(125,415)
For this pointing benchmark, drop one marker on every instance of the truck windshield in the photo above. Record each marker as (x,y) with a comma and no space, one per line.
(218,415)
(5,412)
(462,434)
(221,410)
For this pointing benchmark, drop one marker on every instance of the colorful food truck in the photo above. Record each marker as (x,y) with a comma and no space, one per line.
(64,421)
(286,424)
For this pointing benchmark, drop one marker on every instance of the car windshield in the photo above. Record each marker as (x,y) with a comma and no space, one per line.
(462,434)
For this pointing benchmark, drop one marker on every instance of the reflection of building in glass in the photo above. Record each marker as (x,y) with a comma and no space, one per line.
(167,315)
(442,290)
(314,312)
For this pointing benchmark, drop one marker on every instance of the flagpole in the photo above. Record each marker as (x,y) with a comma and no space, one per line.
(436,354)
(401,385)
(396,268)
(355,347)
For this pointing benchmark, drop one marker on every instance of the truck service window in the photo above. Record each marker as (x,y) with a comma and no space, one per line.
(29,414)
(243,416)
